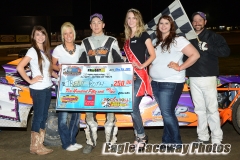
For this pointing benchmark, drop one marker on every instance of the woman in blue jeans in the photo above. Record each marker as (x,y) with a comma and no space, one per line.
(67,53)
(137,42)
(168,75)
(39,58)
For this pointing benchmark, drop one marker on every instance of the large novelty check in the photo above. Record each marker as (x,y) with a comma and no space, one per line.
(96,87)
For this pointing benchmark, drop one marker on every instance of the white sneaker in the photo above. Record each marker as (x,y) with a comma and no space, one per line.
(78,146)
(71,148)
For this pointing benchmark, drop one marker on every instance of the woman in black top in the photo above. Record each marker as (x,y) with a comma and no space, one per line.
(137,41)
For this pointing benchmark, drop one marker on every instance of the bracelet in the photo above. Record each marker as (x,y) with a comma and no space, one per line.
(178,68)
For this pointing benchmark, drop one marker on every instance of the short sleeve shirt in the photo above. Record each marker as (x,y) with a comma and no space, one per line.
(46,82)
(64,57)
(160,71)
(138,46)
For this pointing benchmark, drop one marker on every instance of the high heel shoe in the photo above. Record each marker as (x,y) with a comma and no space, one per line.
(142,143)
(139,143)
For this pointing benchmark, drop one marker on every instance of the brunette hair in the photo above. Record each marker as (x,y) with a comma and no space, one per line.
(170,38)
(140,24)
(46,48)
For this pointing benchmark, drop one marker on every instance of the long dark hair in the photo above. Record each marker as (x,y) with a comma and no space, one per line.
(46,48)
(170,38)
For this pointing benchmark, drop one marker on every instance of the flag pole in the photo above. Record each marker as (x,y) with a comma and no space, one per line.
(188,19)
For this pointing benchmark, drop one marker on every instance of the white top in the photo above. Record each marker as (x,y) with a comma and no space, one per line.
(46,82)
(160,71)
(64,57)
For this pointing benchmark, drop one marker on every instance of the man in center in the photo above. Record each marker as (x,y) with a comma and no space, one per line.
(110,53)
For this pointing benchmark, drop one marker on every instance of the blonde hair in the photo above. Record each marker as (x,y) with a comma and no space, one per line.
(67,25)
(139,26)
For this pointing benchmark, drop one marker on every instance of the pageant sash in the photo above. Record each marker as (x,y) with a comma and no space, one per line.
(145,86)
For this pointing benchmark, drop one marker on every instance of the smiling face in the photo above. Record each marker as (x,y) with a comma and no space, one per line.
(198,23)
(164,26)
(97,26)
(68,35)
(39,37)
(131,20)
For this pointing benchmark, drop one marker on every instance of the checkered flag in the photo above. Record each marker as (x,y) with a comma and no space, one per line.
(182,23)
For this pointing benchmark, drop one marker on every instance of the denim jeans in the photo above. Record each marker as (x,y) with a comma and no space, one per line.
(68,133)
(167,95)
(136,116)
(41,102)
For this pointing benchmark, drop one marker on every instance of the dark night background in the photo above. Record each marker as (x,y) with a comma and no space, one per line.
(219,12)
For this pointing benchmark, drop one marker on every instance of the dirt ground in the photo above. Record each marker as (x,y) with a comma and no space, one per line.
(14,144)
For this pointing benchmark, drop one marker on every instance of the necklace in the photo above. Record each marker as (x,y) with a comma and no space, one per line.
(69,51)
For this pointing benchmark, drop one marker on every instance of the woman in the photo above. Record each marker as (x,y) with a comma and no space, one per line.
(68,53)
(137,41)
(39,58)
(168,75)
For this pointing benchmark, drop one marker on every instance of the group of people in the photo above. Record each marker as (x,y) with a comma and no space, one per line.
(171,58)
